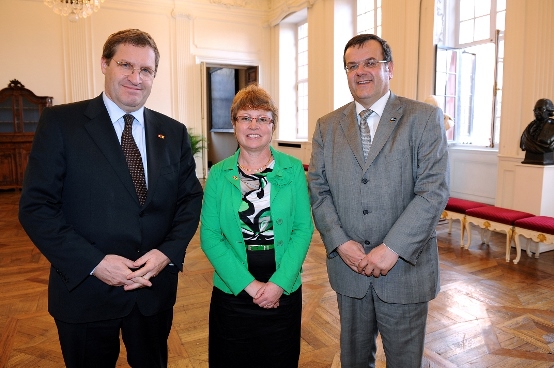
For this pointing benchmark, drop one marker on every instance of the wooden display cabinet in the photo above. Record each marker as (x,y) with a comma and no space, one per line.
(20,111)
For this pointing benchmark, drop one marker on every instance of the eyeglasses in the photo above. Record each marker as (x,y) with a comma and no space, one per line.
(128,69)
(368,63)
(262,120)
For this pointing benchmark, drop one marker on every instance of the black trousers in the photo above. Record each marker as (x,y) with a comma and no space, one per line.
(96,344)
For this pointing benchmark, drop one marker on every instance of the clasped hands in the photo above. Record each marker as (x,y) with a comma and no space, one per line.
(116,270)
(377,262)
(264,294)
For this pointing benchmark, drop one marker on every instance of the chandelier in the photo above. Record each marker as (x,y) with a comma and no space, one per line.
(74,9)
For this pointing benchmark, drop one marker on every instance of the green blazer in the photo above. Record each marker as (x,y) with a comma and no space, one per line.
(220,233)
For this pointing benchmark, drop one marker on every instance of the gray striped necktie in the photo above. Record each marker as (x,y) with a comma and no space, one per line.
(134,160)
(364,131)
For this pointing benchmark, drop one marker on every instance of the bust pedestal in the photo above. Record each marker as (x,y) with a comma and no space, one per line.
(533,189)
(546,158)
(534,193)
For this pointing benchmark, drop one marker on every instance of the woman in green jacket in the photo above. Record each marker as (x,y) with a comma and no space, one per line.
(256,228)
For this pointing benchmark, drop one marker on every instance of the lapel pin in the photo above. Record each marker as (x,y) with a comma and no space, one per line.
(161,136)
(235,177)
(392,119)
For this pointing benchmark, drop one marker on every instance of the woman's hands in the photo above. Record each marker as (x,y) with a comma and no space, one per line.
(266,295)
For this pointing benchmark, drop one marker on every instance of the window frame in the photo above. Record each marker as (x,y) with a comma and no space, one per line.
(376,9)
(467,130)
(301,84)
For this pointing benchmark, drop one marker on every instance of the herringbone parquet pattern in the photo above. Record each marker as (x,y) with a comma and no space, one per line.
(489,313)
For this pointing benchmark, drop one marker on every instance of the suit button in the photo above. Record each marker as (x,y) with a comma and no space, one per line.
(364,181)
(365,212)
(279,221)
(280,243)
(367,242)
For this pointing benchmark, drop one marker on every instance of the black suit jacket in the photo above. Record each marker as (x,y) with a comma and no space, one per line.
(78,204)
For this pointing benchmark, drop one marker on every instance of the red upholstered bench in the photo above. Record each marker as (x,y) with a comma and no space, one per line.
(456,210)
(493,218)
(539,229)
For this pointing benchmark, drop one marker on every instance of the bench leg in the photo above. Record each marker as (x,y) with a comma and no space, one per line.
(508,248)
(462,231)
(528,246)
(518,248)
(468,237)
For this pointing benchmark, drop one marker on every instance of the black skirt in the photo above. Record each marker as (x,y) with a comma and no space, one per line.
(242,334)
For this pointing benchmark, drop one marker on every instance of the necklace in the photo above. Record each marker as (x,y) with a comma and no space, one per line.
(257,170)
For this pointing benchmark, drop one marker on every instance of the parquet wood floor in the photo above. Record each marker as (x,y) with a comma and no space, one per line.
(489,313)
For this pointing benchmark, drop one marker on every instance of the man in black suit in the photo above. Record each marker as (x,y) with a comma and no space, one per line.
(115,241)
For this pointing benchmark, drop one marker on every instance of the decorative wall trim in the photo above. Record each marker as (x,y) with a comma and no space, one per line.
(285,8)
(78,59)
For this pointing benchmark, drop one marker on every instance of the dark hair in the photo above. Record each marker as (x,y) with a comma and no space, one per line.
(134,37)
(254,97)
(361,39)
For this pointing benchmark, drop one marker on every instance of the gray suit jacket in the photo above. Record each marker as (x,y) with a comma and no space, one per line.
(395,197)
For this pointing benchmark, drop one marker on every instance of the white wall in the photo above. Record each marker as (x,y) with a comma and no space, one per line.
(31,48)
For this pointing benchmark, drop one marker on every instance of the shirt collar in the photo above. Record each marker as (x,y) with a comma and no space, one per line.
(378,107)
(116,113)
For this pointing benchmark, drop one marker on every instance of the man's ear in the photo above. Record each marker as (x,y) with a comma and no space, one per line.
(103,64)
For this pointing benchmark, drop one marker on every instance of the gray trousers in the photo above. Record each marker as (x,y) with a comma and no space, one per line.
(402,328)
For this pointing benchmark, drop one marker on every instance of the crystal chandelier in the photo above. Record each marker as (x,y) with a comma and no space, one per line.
(74,9)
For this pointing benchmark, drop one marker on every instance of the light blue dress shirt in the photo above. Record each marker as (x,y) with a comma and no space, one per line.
(116,116)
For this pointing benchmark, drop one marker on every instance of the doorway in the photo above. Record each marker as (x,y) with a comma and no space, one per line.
(220,84)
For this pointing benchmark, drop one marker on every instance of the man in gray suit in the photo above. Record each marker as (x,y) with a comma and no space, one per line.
(377,195)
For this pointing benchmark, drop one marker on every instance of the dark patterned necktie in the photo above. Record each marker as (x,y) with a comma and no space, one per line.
(364,131)
(134,160)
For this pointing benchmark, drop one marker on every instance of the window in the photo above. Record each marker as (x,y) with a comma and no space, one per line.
(499,75)
(469,71)
(369,17)
(293,77)
(302,82)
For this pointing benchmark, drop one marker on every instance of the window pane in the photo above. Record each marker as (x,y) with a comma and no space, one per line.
(303,72)
(302,127)
(466,31)
(440,84)
(368,16)
(498,109)
(303,58)
(302,44)
(482,7)
(303,30)
(464,121)
(466,10)
(482,28)
(364,6)
(302,83)
(501,20)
